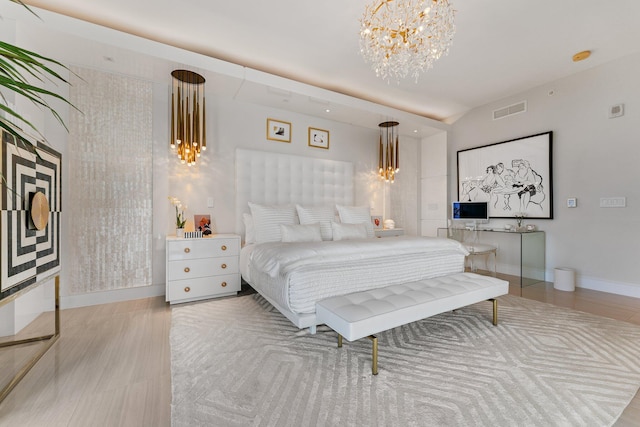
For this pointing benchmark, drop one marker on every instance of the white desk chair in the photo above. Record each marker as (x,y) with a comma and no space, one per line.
(477,249)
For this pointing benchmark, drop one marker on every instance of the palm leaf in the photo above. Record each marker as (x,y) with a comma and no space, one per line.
(16,65)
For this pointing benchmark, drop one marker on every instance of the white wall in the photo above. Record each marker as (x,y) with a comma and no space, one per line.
(593,157)
(434,184)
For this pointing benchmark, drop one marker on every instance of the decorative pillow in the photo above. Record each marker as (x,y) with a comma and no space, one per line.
(349,231)
(249,230)
(356,215)
(301,233)
(322,215)
(267,221)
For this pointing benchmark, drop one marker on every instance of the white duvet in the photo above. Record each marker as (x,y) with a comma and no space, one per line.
(279,258)
(297,275)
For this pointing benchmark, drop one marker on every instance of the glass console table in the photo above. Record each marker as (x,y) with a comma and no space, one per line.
(520,253)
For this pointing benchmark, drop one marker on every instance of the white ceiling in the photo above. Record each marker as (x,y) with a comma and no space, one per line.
(501,47)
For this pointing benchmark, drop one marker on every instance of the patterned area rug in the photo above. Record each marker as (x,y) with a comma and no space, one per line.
(239,362)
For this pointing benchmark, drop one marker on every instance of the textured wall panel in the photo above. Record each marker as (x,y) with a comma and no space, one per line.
(110,170)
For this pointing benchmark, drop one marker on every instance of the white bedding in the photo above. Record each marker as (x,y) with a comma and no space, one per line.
(296,275)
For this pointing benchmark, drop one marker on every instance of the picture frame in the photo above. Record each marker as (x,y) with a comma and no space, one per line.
(277,130)
(376,220)
(202,222)
(318,138)
(515,177)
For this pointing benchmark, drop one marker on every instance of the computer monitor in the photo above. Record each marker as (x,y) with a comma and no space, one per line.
(471,213)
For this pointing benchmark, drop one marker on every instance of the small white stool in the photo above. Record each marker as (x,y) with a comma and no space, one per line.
(482,249)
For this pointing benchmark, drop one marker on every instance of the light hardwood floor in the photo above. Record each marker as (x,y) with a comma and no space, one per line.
(111,365)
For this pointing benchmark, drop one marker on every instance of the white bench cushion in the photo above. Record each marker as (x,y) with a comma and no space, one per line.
(361,314)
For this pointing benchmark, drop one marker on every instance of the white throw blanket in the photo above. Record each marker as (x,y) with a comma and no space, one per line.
(279,258)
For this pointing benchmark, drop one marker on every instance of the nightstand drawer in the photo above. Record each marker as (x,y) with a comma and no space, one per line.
(204,287)
(194,268)
(202,248)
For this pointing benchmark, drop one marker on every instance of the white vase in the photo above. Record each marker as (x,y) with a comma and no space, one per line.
(179,232)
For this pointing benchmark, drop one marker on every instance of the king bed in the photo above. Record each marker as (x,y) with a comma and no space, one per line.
(305,241)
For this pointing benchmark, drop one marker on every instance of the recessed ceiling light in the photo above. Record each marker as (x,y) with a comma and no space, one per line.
(581,56)
(327,110)
(415,131)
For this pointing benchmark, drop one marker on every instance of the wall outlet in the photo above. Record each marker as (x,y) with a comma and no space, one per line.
(572,202)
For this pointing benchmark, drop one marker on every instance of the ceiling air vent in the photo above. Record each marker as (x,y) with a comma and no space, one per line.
(500,113)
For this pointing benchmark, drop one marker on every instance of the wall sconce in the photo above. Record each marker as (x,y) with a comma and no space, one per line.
(188,124)
(389,156)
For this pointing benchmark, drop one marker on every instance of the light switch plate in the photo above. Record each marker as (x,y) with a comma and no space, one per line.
(572,202)
(210,202)
(613,202)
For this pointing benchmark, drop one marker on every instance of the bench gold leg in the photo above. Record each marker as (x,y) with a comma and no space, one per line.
(374,354)
(339,340)
(495,310)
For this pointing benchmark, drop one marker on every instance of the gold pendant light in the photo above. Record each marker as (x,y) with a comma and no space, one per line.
(388,151)
(188,123)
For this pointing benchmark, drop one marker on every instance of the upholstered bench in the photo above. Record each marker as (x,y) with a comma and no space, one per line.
(363,314)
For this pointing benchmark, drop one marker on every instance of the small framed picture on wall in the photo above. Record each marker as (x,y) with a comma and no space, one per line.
(319,138)
(278,130)
(377,222)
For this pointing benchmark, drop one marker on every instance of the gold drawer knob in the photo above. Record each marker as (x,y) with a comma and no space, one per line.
(223,247)
(187,250)
(223,284)
(187,269)
(187,289)
(224,266)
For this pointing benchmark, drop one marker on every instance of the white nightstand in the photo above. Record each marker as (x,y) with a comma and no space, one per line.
(202,268)
(389,232)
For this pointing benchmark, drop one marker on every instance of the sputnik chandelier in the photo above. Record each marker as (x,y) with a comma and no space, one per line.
(389,151)
(188,119)
(405,37)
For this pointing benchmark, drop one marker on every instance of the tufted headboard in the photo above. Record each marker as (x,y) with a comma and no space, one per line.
(280,179)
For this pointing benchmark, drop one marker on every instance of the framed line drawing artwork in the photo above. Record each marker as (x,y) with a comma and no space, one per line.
(319,138)
(278,130)
(515,177)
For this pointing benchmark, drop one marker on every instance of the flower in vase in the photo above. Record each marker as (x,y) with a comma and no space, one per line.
(180,208)
(519,218)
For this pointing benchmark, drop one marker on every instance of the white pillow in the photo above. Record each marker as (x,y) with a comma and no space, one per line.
(322,215)
(267,221)
(356,215)
(348,231)
(301,233)
(249,229)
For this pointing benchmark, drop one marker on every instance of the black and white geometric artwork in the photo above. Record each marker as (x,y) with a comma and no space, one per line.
(26,253)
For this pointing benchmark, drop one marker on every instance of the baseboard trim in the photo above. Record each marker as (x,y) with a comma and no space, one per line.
(105,297)
(618,288)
